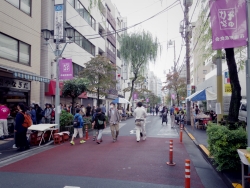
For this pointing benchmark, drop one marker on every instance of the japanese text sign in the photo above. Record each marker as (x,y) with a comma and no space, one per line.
(66,69)
(228,22)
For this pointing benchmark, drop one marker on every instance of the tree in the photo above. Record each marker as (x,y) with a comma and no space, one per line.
(138,49)
(73,88)
(176,84)
(101,75)
(235,84)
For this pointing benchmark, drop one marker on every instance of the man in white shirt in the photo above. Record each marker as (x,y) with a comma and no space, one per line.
(140,118)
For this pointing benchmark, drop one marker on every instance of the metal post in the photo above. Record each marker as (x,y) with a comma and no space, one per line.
(57,97)
(248,77)
(219,87)
(187,39)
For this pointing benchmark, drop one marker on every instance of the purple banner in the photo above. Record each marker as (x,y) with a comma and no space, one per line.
(147,100)
(228,21)
(135,96)
(66,69)
(173,96)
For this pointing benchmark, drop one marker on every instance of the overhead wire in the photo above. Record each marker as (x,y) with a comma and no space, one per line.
(194,10)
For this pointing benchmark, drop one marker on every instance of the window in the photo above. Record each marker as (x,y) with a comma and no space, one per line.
(77,69)
(14,50)
(204,71)
(118,54)
(84,43)
(23,5)
(72,3)
(111,47)
(83,12)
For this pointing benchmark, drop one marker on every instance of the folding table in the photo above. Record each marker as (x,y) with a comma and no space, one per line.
(42,128)
(244,161)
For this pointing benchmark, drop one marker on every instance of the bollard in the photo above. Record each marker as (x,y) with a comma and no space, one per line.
(170,163)
(181,133)
(86,133)
(187,173)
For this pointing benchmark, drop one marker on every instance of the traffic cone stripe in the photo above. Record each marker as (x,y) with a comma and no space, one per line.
(187,170)
(187,176)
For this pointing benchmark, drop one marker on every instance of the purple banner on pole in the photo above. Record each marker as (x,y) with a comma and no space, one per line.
(135,96)
(228,22)
(173,96)
(66,69)
(147,100)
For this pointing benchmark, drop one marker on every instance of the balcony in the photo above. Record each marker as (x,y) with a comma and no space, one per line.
(111,56)
(111,38)
(111,20)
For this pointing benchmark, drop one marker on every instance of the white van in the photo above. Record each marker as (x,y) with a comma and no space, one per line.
(243,110)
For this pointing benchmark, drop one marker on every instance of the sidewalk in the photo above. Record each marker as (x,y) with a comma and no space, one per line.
(199,137)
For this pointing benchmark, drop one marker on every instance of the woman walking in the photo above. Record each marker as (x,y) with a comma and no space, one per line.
(20,130)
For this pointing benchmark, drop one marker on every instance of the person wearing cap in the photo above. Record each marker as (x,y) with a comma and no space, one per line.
(114,119)
(172,115)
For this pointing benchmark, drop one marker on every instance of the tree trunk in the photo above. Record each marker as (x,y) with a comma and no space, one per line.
(132,90)
(178,100)
(73,108)
(235,84)
(98,96)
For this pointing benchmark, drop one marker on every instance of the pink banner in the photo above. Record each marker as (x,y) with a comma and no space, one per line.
(147,100)
(173,96)
(66,69)
(135,96)
(228,21)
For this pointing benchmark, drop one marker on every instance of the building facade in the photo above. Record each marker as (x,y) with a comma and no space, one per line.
(20,36)
(94,34)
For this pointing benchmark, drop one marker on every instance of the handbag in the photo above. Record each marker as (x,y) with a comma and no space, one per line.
(138,122)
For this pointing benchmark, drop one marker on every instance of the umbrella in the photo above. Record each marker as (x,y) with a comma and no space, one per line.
(203,95)
(120,100)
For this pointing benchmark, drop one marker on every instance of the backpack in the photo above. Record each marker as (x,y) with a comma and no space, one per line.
(76,122)
(53,114)
(27,120)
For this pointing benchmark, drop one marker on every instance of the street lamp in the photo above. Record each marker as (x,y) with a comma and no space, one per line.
(58,53)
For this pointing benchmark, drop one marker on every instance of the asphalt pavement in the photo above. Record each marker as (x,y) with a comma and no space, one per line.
(125,163)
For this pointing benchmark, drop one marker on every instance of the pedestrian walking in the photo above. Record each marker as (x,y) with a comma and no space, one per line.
(78,126)
(88,110)
(172,116)
(39,113)
(33,114)
(21,131)
(103,109)
(114,119)
(99,123)
(4,112)
(83,110)
(140,117)
(93,110)
(47,114)
(156,110)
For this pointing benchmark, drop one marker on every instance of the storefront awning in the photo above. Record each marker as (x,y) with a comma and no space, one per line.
(83,95)
(18,73)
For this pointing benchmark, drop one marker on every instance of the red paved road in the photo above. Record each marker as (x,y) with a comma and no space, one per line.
(123,160)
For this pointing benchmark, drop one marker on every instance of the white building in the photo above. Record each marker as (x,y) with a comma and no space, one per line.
(94,33)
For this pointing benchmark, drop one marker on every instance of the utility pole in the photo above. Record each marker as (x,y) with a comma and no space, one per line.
(187,4)
(248,76)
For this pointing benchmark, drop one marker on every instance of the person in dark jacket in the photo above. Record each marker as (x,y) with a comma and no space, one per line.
(33,114)
(78,129)
(20,131)
(99,123)
(164,113)
(39,113)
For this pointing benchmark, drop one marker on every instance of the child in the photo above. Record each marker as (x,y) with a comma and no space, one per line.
(78,128)
(99,123)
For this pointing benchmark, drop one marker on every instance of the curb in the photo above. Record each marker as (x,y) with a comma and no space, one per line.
(206,154)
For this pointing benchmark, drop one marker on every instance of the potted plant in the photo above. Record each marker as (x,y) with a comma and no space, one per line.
(66,119)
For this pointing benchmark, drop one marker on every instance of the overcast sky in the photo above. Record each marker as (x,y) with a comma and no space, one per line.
(165,26)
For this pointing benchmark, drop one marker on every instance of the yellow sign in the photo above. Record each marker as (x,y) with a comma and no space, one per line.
(228,88)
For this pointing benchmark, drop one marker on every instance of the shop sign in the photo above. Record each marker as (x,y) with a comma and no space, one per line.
(228,88)
(66,69)
(94,95)
(14,83)
(228,23)
(58,22)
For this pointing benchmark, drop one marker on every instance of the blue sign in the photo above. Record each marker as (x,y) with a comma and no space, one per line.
(58,7)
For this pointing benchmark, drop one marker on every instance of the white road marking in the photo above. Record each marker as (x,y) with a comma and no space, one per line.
(71,187)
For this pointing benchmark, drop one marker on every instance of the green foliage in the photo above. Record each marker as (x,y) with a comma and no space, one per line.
(176,84)
(101,75)
(138,48)
(223,144)
(74,88)
(65,118)
(87,120)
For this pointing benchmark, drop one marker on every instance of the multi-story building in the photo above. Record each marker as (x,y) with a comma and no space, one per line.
(94,33)
(20,36)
